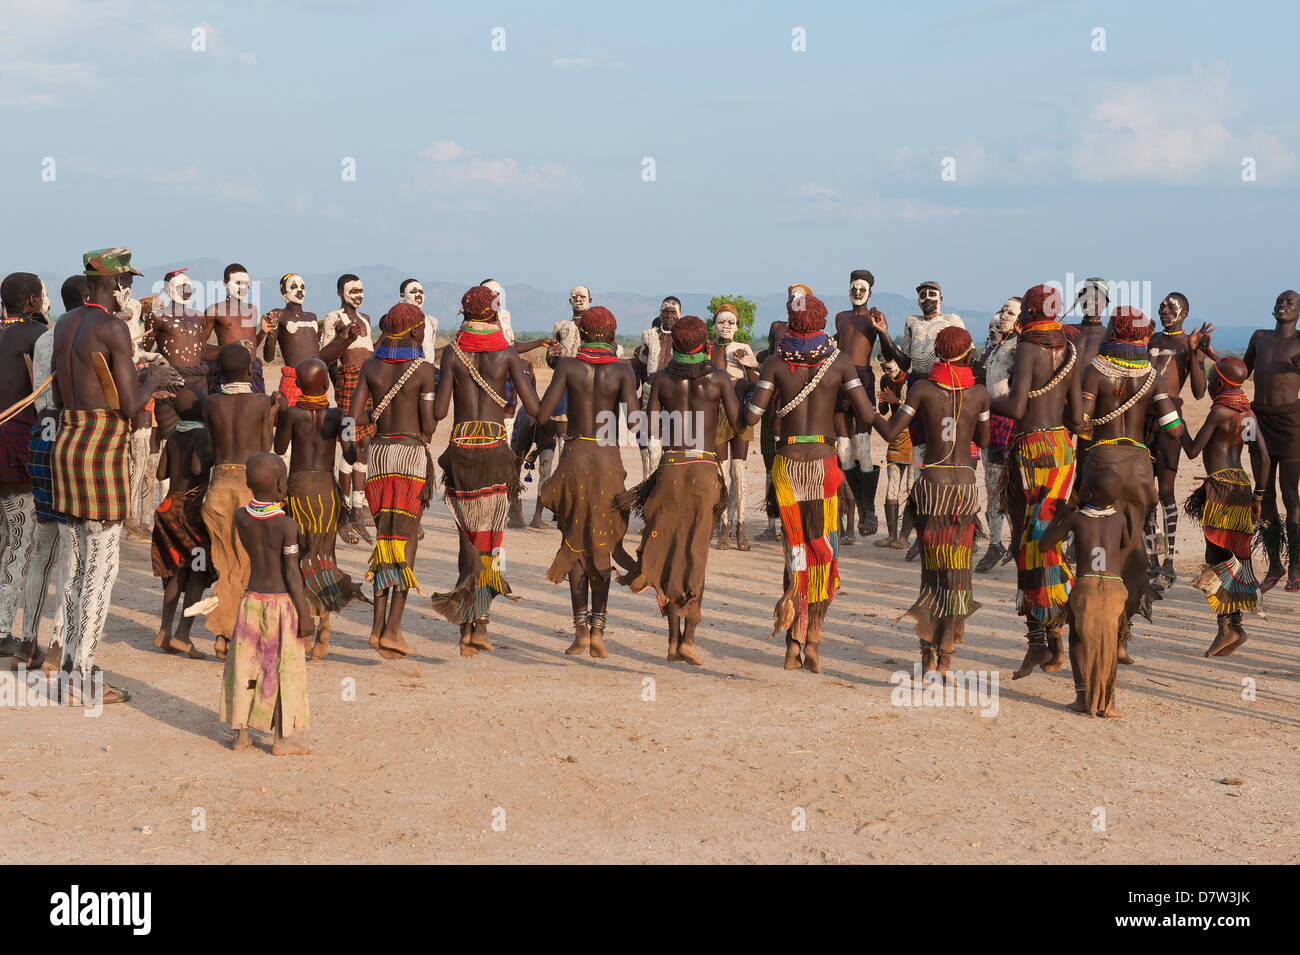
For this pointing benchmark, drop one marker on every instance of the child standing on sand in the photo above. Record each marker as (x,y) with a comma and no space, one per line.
(1101,534)
(265,680)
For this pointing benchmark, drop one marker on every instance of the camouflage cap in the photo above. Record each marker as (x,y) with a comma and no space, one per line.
(925,285)
(109,262)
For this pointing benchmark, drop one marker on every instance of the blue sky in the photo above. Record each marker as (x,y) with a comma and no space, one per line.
(772,166)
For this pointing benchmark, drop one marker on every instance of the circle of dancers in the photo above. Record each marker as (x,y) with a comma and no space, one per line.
(1078,427)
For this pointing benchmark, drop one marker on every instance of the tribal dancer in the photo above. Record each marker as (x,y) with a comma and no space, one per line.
(995,372)
(27,307)
(1120,387)
(1228,503)
(955,411)
(240,423)
(1273,357)
(740,364)
(181,334)
(582,490)
(56,542)
(898,460)
(768,427)
(916,354)
(264,685)
(685,496)
(478,468)
(803,380)
(1040,469)
(90,460)
(400,480)
(314,430)
(1176,355)
(181,545)
(855,335)
(1097,597)
(347,320)
(655,351)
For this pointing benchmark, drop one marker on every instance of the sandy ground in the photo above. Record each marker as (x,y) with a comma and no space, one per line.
(526,755)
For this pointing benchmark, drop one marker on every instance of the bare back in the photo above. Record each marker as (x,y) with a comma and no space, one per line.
(239,426)
(406,413)
(595,391)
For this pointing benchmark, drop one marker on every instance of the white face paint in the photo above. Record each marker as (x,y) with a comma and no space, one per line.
(725,323)
(238,285)
(1092,302)
(1009,314)
(295,290)
(414,295)
(179,289)
(122,297)
(579,298)
(859,291)
(45,300)
(353,293)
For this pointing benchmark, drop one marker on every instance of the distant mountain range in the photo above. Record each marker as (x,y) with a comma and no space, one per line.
(534,311)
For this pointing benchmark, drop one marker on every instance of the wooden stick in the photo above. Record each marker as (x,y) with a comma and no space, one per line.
(22,403)
(106,381)
(31,372)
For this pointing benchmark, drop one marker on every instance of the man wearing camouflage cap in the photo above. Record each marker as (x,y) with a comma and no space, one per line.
(99,391)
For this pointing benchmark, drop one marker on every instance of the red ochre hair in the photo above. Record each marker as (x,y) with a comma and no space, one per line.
(811,318)
(1042,303)
(479,304)
(689,334)
(401,318)
(1232,370)
(1128,324)
(951,343)
(598,320)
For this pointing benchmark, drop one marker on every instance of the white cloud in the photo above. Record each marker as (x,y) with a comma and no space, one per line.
(1176,129)
(443,150)
(822,204)
(26,84)
(239,191)
(578,63)
(456,165)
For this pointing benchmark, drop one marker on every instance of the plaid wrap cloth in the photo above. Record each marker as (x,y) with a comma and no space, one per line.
(40,455)
(92,465)
(15,434)
(349,377)
(289,386)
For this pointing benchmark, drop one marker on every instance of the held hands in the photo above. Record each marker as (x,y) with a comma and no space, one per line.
(163,379)
(878,321)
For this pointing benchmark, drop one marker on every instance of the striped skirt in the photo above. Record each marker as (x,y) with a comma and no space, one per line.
(807,498)
(315,504)
(479,472)
(947,513)
(397,488)
(1221,505)
(1044,463)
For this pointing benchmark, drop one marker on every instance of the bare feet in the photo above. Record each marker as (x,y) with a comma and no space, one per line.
(686,652)
(1079,705)
(1222,640)
(1057,661)
(220,647)
(465,649)
(811,662)
(598,643)
(241,741)
(479,637)
(792,661)
(322,645)
(943,662)
(927,660)
(392,647)
(1112,713)
(288,747)
(1123,657)
(187,647)
(1238,638)
(581,640)
(1035,656)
